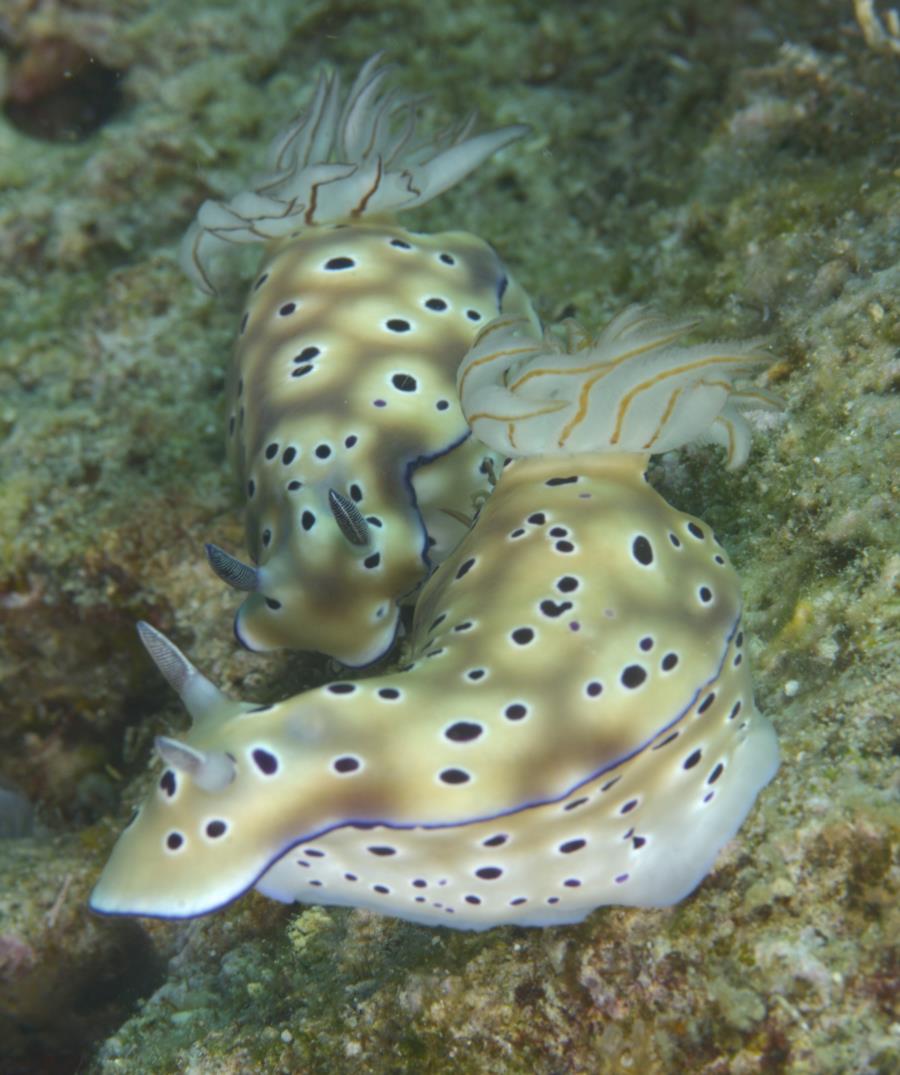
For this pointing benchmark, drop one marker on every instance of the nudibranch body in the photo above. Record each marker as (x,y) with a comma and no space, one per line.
(344,427)
(576,726)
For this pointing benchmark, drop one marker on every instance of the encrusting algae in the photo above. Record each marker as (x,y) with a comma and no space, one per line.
(576,726)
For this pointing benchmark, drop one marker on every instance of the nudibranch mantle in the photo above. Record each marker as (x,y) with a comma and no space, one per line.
(344,427)
(576,726)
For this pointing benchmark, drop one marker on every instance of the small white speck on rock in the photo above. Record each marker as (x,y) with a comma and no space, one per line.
(792,688)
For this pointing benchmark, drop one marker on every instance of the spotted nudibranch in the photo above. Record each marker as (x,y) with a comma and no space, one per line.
(343,423)
(576,726)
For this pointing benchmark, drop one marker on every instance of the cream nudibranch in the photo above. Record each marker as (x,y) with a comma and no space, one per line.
(343,423)
(576,726)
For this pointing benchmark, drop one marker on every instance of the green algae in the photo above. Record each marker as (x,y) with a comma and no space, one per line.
(736,164)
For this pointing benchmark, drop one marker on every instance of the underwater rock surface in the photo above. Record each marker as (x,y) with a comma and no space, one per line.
(736,163)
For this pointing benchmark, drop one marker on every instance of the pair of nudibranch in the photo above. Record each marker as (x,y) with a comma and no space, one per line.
(576,724)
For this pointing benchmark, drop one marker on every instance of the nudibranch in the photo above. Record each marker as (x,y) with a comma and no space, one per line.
(576,726)
(344,427)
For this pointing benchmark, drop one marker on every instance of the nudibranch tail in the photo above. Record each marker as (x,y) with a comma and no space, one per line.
(633,388)
(338,163)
